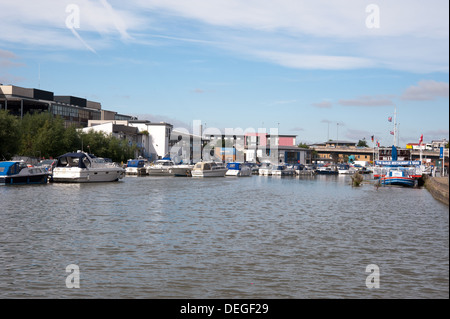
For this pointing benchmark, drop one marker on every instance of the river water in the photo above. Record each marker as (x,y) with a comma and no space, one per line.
(253,237)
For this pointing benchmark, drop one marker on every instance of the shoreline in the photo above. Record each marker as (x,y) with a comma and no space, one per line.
(438,187)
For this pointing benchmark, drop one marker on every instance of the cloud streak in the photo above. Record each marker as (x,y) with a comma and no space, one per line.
(426,90)
(319,34)
(367,101)
(323,105)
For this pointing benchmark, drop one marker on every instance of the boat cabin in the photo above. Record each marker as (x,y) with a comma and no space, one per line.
(234,166)
(206,166)
(79,160)
(10,168)
(136,163)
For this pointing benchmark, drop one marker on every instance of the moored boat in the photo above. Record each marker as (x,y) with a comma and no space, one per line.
(265,168)
(282,170)
(81,167)
(161,167)
(399,176)
(17,173)
(301,169)
(327,170)
(136,167)
(238,169)
(208,169)
(167,167)
(345,169)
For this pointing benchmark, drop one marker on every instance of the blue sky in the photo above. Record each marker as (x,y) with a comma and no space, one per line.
(315,69)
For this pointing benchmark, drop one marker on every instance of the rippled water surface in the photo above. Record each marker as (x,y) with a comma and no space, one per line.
(255,237)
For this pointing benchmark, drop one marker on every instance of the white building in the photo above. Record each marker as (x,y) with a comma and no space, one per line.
(152,139)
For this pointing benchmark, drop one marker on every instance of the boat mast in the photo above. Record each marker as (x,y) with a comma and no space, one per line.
(395,126)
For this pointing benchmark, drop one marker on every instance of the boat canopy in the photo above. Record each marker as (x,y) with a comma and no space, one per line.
(9,168)
(234,166)
(136,163)
(73,160)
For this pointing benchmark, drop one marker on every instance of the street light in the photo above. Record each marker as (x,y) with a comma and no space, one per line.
(337,132)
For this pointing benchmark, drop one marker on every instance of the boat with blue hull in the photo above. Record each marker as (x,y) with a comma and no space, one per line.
(399,173)
(399,176)
(18,173)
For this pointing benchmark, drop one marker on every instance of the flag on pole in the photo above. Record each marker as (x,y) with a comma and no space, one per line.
(421,140)
(392,132)
(390,118)
(378,144)
(372,138)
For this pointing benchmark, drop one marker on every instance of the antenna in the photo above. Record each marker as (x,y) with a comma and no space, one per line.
(39,76)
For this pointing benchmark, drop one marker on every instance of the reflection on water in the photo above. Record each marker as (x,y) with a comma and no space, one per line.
(255,237)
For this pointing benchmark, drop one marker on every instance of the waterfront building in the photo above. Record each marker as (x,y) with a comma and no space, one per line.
(338,151)
(73,110)
(152,139)
(437,144)
(281,148)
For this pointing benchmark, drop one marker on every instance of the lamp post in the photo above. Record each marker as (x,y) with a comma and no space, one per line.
(337,132)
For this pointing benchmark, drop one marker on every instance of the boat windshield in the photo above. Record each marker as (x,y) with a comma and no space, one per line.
(73,161)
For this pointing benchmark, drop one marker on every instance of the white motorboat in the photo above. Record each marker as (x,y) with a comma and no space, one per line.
(238,169)
(346,169)
(81,167)
(327,170)
(167,167)
(288,170)
(265,168)
(208,169)
(161,167)
(136,167)
(16,173)
(282,170)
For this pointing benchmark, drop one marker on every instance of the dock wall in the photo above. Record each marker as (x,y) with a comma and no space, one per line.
(438,187)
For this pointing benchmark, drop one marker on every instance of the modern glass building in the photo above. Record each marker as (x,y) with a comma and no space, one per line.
(74,110)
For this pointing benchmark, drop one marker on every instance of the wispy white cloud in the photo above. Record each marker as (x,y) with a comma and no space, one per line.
(157,118)
(300,34)
(426,90)
(323,105)
(413,35)
(367,101)
(321,62)
(43,23)
(356,135)
(8,61)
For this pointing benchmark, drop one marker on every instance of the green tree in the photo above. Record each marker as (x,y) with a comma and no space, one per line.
(50,138)
(94,142)
(303,145)
(108,146)
(362,143)
(72,139)
(42,135)
(9,135)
